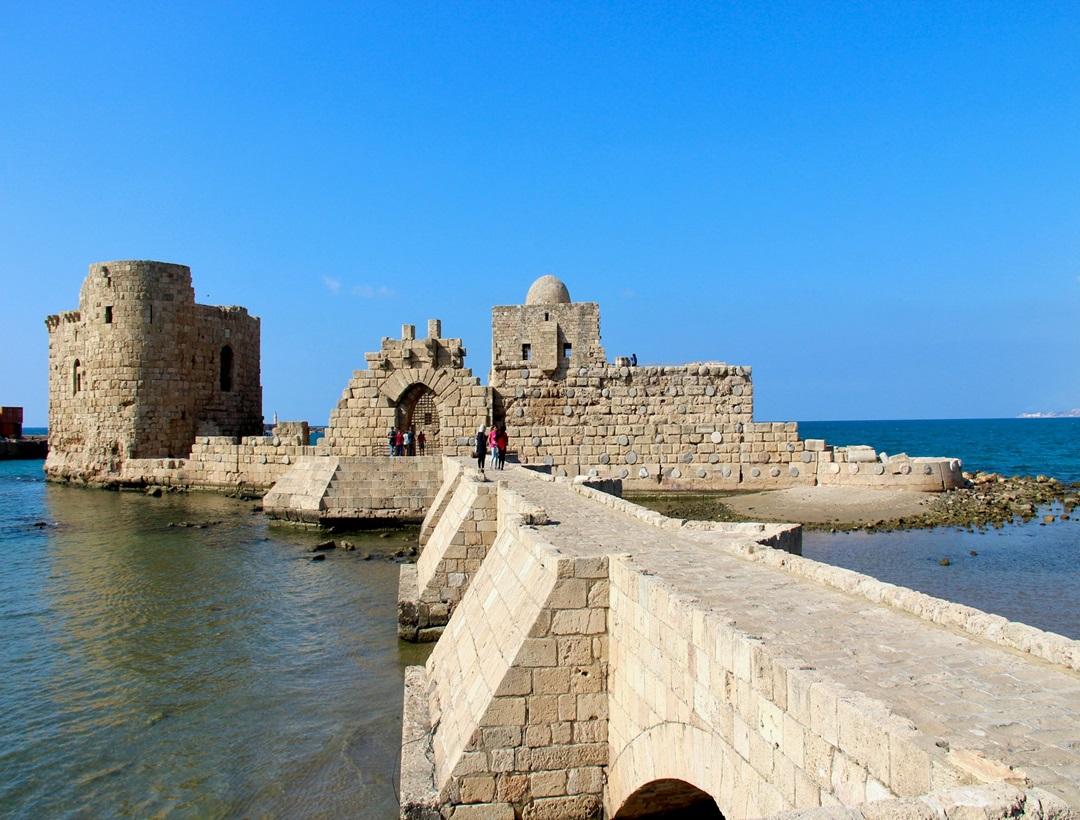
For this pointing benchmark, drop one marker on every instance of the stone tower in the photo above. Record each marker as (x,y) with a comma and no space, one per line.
(140,369)
(548,333)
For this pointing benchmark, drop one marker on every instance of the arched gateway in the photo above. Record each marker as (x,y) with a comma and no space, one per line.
(409,382)
(418,410)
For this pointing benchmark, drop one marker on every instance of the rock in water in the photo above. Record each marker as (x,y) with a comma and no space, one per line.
(323,546)
(318,557)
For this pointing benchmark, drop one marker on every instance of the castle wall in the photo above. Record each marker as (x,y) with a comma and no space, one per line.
(689,424)
(137,370)
(685,427)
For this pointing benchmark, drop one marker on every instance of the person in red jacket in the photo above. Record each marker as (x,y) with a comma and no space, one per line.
(501,440)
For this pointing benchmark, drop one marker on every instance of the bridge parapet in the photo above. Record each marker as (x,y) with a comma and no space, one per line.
(604,655)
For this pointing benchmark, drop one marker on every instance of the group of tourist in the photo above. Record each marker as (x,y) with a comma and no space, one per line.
(496,440)
(406,442)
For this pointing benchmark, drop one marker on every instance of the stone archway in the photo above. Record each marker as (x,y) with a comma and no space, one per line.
(669,798)
(417,408)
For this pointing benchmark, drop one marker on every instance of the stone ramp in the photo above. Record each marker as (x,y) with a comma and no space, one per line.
(794,688)
(322,489)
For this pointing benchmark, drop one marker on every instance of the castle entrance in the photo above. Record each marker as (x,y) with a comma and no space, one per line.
(416,409)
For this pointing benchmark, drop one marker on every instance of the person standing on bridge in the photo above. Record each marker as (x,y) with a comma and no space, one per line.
(481,448)
(390,440)
(421,440)
(501,441)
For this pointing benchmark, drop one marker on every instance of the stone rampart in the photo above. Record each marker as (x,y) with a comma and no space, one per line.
(519,692)
(688,427)
(465,531)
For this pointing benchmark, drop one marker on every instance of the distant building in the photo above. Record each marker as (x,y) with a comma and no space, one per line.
(11,420)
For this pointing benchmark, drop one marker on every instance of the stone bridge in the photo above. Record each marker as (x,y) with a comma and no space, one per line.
(600,660)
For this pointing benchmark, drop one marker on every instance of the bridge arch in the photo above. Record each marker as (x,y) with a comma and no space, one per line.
(669,799)
(687,763)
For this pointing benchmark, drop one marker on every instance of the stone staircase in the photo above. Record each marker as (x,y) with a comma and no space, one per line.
(324,489)
(400,488)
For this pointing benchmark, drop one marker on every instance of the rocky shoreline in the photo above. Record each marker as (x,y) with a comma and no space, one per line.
(988,500)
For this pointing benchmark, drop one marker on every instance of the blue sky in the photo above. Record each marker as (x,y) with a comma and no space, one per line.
(876,205)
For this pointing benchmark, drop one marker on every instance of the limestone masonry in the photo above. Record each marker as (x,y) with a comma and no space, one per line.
(147,387)
(139,370)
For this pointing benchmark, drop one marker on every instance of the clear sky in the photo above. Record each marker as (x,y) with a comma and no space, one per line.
(877,205)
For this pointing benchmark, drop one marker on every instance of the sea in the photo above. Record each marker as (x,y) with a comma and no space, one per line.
(178,656)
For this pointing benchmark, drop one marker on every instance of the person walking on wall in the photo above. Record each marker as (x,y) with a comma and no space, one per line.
(633,359)
(408,442)
(501,441)
(399,443)
(390,441)
(481,448)
(421,440)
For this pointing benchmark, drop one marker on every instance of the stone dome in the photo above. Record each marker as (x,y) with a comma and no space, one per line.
(548,290)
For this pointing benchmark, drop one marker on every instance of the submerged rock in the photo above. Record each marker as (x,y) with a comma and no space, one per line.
(319,556)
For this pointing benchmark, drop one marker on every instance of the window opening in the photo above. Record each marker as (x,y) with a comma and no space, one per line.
(226,369)
(526,352)
(76,377)
(567,348)
(108,314)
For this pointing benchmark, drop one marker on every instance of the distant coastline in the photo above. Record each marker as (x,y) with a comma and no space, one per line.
(1051,414)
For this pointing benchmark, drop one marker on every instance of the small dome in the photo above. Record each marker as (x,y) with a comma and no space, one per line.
(548,290)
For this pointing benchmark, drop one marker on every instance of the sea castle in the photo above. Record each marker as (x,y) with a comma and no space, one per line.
(148,387)
(593,659)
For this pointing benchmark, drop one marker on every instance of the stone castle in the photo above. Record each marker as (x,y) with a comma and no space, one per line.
(148,387)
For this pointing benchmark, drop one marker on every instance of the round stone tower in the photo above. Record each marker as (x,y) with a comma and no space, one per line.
(139,368)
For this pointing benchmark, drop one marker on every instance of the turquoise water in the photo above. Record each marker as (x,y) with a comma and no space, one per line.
(1008,446)
(1025,572)
(155,670)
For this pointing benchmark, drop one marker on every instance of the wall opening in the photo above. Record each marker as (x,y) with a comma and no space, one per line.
(226,368)
(108,314)
(526,352)
(416,410)
(669,799)
(76,377)
(567,349)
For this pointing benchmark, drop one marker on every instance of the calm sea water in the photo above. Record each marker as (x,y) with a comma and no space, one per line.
(1007,446)
(148,670)
(1025,572)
